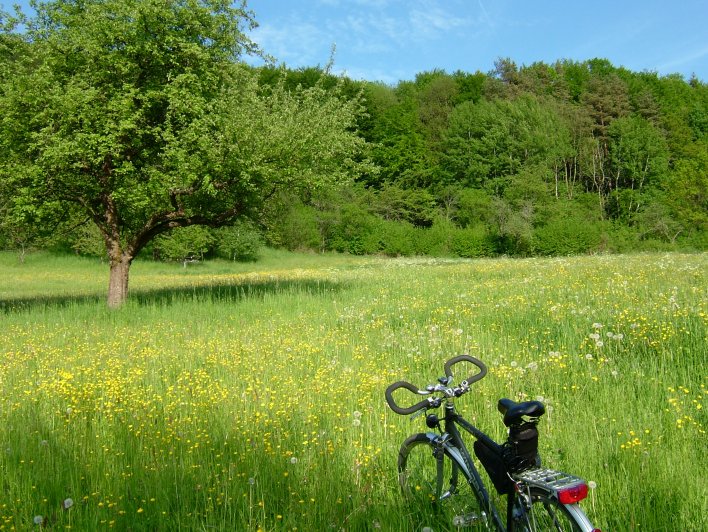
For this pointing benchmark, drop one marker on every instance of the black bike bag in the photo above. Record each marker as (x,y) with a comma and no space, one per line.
(521,447)
(494,466)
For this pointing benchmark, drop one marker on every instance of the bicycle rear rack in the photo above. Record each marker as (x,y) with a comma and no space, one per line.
(548,479)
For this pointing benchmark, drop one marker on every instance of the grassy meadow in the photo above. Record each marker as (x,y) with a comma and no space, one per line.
(251,396)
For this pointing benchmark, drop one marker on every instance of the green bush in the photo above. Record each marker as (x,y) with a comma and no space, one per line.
(298,229)
(87,240)
(472,242)
(241,242)
(185,243)
(392,238)
(570,236)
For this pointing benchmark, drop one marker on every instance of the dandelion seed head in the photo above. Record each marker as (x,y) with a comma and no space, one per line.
(513,364)
(592,484)
(68,503)
(356,414)
(293,460)
(597,325)
(599,343)
(38,520)
(356,422)
(459,521)
(252,480)
(588,356)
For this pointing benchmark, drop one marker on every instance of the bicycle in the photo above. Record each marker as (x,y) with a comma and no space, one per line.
(537,498)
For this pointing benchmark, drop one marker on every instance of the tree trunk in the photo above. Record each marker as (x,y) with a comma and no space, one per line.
(118,283)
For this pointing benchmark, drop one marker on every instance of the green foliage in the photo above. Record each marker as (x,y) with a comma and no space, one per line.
(297,229)
(482,162)
(184,244)
(87,240)
(569,236)
(472,242)
(140,116)
(240,242)
(415,206)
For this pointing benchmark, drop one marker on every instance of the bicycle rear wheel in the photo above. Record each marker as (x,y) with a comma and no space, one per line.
(547,514)
(437,489)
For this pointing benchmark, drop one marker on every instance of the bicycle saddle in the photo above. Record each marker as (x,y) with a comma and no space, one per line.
(513,411)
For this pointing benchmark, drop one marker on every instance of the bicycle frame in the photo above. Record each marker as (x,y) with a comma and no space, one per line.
(513,468)
(458,451)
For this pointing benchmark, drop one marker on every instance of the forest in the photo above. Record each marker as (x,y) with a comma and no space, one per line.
(568,158)
(575,157)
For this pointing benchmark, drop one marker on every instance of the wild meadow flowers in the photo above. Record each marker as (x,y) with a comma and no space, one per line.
(254,399)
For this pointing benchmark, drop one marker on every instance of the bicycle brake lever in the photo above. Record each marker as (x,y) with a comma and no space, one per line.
(418,413)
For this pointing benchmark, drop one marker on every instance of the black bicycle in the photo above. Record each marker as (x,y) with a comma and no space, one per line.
(435,467)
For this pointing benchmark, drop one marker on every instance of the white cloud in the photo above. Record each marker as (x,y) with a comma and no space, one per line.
(433,21)
(297,44)
(683,59)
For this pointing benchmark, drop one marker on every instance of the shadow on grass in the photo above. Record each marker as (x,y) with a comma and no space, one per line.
(226,293)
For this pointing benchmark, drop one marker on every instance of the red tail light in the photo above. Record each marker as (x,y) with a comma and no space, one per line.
(573,494)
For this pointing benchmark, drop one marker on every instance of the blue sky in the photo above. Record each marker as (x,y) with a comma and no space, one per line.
(392,40)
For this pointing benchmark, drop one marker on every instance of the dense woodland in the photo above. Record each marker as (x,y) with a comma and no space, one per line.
(574,157)
(568,158)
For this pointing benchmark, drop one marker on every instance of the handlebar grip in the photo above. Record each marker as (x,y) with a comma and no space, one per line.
(466,358)
(403,411)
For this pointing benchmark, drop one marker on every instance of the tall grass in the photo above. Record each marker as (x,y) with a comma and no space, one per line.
(251,397)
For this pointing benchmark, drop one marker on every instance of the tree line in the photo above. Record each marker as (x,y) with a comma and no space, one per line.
(137,129)
(573,157)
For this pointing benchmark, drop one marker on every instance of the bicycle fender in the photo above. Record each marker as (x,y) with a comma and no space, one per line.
(580,517)
(456,455)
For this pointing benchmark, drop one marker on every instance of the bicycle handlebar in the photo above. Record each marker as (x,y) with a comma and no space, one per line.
(466,358)
(407,410)
(424,403)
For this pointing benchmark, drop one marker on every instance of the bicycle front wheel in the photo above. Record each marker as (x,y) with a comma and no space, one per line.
(436,487)
(547,514)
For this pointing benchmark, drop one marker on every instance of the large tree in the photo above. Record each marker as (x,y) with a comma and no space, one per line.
(139,116)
